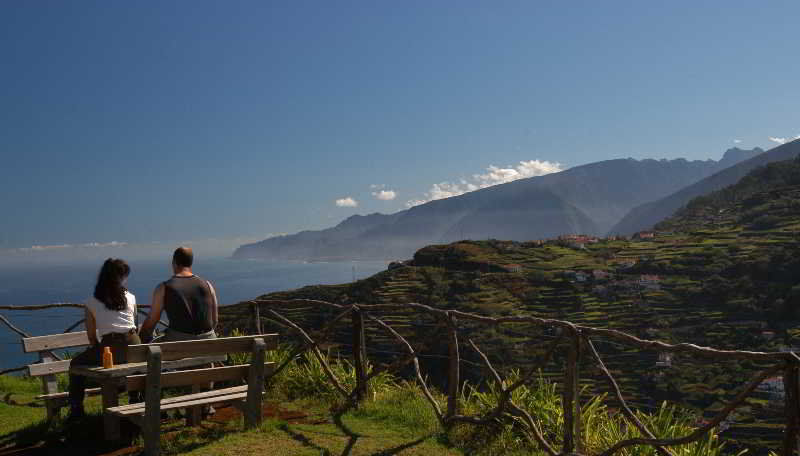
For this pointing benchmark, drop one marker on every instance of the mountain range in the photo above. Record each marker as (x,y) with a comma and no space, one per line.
(587,199)
(646,215)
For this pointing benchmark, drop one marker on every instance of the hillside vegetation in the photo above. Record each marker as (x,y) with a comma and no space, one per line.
(724,272)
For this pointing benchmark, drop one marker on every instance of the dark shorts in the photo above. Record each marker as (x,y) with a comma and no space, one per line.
(93,356)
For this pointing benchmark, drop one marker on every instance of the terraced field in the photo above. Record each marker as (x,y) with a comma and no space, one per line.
(724,272)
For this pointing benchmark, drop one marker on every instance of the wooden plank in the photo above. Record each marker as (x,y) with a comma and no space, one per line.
(207,347)
(183,404)
(196,376)
(123,370)
(65,394)
(151,428)
(52,342)
(54,367)
(204,394)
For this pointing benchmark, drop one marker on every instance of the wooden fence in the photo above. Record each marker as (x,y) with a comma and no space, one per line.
(578,340)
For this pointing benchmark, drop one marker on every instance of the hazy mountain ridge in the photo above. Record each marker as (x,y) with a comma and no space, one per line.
(585,199)
(645,216)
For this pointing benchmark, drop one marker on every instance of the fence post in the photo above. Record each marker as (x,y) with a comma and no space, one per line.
(257,317)
(453,380)
(792,407)
(579,442)
(570,392)
(359,354)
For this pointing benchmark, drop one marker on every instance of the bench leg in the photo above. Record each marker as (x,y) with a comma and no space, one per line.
(255,385)
(111,423)
(52,411)
(49,386)
(194,414)
(151,422)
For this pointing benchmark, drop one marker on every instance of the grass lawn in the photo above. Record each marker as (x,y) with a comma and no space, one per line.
(289,428)
(368,437)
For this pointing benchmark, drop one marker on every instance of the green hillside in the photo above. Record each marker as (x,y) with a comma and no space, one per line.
(724,272)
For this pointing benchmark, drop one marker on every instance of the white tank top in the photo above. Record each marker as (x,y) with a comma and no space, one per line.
(113,321)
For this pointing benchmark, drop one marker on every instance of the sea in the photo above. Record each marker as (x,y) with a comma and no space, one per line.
(234,280)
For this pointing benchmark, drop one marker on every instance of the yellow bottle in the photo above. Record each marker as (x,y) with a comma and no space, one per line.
(108,358)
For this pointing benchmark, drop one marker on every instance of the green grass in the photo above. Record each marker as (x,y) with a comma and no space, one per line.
(367,437)
(395,419)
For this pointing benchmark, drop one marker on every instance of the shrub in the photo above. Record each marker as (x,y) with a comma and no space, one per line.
(601,428)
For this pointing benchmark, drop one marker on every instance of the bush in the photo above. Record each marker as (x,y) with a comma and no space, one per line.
(601,428)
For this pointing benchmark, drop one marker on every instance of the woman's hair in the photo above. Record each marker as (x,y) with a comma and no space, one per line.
(109,289)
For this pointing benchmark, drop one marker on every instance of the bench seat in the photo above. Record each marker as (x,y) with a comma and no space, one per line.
(236,394)
(65,394)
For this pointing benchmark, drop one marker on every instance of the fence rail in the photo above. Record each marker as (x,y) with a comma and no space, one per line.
(579,341)
(580,347)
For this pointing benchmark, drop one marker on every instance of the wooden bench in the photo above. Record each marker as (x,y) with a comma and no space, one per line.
(147,415)
(48,366)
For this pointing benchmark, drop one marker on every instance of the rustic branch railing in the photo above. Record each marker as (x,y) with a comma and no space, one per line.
(58,305)
(580,349)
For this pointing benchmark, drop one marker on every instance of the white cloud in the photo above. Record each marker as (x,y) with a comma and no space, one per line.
(777,140)
(346,202)
(385,195)
(40,248)
(105,244)
(494,175)
(797,137)
(44,248)
(737,141)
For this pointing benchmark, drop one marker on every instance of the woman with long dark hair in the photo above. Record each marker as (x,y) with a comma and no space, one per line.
(110,322)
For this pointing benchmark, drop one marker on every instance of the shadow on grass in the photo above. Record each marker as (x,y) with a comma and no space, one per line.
(191,438)
(399,448)
(303,440)
(84,437)
(352,436)
(351,442)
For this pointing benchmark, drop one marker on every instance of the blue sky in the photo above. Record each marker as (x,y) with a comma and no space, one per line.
(145,122)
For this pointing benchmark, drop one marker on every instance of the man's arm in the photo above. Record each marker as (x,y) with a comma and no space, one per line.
(214,306)
(156,306)
(91,327)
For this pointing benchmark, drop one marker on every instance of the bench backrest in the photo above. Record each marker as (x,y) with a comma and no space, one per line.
(194,348)
(196,376)
(48,365)
(55,341)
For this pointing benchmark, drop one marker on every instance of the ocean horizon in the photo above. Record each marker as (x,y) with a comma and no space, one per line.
(235,280)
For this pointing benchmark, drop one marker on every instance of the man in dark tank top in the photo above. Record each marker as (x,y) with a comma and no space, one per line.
(189,301)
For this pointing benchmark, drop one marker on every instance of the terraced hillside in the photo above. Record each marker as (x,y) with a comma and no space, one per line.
(724,272)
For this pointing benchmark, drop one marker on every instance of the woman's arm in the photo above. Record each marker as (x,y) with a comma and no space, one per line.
(91,327)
